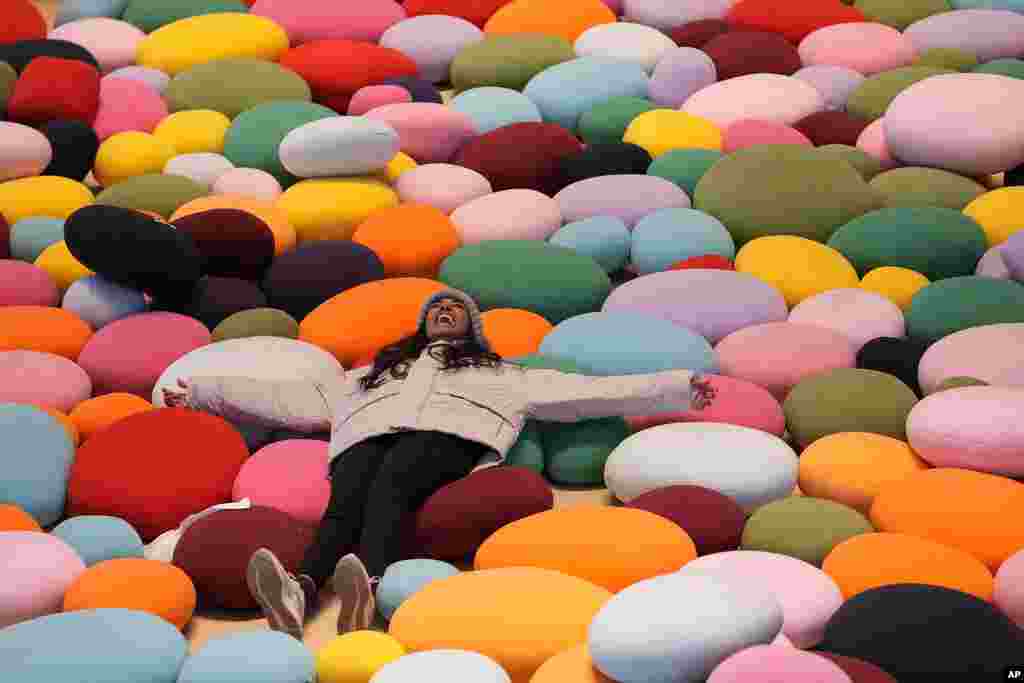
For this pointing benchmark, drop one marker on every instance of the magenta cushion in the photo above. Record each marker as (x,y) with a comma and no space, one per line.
(749,132)
(24,284)
(43,379)
(311,20)
(290,476)
(127,104)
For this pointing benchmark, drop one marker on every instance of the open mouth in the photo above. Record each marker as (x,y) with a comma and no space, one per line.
(445,319)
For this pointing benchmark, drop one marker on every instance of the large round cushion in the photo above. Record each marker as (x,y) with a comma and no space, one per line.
(957,303)
(918,187)
(513,332)
(192,461)
(98,538)
(420,254)
(501,613)
(581,541)
(290,476)
(137,584)
(43,379)
(356,656)
(443,186)
(26,284)
(331,208)
(712,520)
(256,322)
(100,302)
(629,197)
(566,91)
(996,211)
(93,648)
(516,214)
(36,570)
(36,484)
(215,550)
(858,314)
(458,517)
(261,656)
(442,664)
(649,460)
(521,155)
(848,400)
(634,639)
(507,61)
(972,511)
(264,209)
(40,328)
(671,235)
(954,633)
(232,242)
(403,579)
(802,527)
(991,353)
(775,259)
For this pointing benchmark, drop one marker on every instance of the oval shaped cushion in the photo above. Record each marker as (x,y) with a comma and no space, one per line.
(37,569)
(38,485)
(1007,595)
(232,242)
(290,476)
(404,578)
(457,664)
(97,538)
(590,81)
(629,197)
(43,329)
(957,303)
(13,518)
(519,214)
(42,379)
(802,527)
(858,314)
(992,353)
(137,584)
(572,665)
(254,82)
(261,656)
(789,661)
(520,155)
(712,520)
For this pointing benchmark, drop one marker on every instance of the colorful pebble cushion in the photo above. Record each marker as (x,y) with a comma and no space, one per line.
(406,577)
(259,656)
(461,664)
(13,518)
(37,570)
(803,527)
(98,538)
(713,521)
(38,485)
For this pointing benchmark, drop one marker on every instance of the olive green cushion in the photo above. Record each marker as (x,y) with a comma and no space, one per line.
(900,13)
(958,383)
(7,78)
(872,97)
(1014,68)
(157,192)
(524,273)
(865,164)
(232,86)
(915,186)
(149,15)
(848,400)
(945,307)
(783,190)
(936,242)
(507,61)
(803,527)
(947,58)
(608,121)
(257,322)
(684,167)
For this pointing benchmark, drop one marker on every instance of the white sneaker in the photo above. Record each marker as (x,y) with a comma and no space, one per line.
(352,584)
(278,593)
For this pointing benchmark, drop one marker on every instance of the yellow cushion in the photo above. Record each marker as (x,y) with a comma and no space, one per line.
(127,155)
(275,218)
(999,212)
(51,196)
(662,130)
(519,617)
(586,541)
(410,239)
(194,131)
(61,265)
(331,208)
(796,266)
(355,657)
(571,666)
(399,165)
(898,285)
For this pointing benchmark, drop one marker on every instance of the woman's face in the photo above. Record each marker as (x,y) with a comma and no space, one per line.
(447,319)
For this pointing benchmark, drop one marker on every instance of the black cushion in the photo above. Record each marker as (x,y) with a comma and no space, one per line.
(609,158)
(894,356)
(19,54)
(216,298)
(75,144)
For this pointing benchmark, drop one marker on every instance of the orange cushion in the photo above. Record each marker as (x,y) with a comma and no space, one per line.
(410,239)
(519,617)
(367,317)
(874,560)
(571,666)
(275,218)
(13,518)
(134,583)
(536,16)
(586,541)
(41,328)
(513,332)
(851,467)
(976,512)
(98,413)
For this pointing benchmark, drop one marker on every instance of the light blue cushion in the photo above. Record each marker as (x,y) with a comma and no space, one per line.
(404,578)
(250,657)
(108,645)
(1011,5)
(603,238)
(97,538)
(35,461)
(671,235)
(492,108)
(31,236)
(565,91)
(99,301)
(71,10)
(628,343)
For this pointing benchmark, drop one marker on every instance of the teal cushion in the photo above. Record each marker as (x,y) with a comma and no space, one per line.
(402,579)
(97,538)
(948,306)
(528,450)
(250,656)
(684,167)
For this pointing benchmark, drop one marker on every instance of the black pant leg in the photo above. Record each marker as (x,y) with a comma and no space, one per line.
(417,466)
(351,475)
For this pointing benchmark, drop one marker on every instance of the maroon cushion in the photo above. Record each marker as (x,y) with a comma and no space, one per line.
(698,33)
(52,88)
(832,128)
(5,238)
(454,521)
(216,298)
(859,670)
(713,521)
(739,53)
(521,155)
(215,551)
(233,243)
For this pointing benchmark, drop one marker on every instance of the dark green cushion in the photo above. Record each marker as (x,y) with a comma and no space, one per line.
(607,122)
(507,61)
(803,527)
(149,15)
(528,450)
(948,306)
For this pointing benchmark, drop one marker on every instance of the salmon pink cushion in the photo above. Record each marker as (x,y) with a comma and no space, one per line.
(290,476)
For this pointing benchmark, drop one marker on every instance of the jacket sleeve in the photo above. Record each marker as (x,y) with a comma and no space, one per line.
(562,397)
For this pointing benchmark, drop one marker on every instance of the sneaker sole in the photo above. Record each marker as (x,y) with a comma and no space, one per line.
(351,583)
(266,576)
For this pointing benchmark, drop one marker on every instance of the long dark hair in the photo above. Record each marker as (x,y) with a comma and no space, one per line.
(398,357)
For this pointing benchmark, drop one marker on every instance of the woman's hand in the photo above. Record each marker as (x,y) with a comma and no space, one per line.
(703,394)
(177,399)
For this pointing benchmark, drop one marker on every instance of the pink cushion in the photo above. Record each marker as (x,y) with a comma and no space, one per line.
(865,47)
(777,662)
(43,379)
(858,314)
(749,132)
(290,476)
(112,42)
(128,104)
(24,284)
(1009,589)
(991,353)
(427,131)
(373,96)
(35,571)
(872,142)
(310,20)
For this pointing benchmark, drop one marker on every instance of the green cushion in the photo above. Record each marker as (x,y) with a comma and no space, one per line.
(253,82)
(1014,68)
(528,450)
(507,61)
(607,122)
(803,527)
(948,306)
(524,273)
(873,96)
(936,242)
(865,164)
(900,13)
(684,167)
(257,322)
(947,58)
(848,400)
(915,186)
(783,190)
(157,192)
(7,78)
(149,15)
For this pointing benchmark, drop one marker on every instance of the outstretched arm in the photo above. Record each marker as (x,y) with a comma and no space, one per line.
(562,397)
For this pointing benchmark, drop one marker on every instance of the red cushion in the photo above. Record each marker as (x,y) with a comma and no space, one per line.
(794,19)
(709,261)
(21,20)
(521,155)
(476,11)
(215,551)
(51,88)
(156,468)
(832,128)
(341,67)
(713,520)
(739,53)
(454,521)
